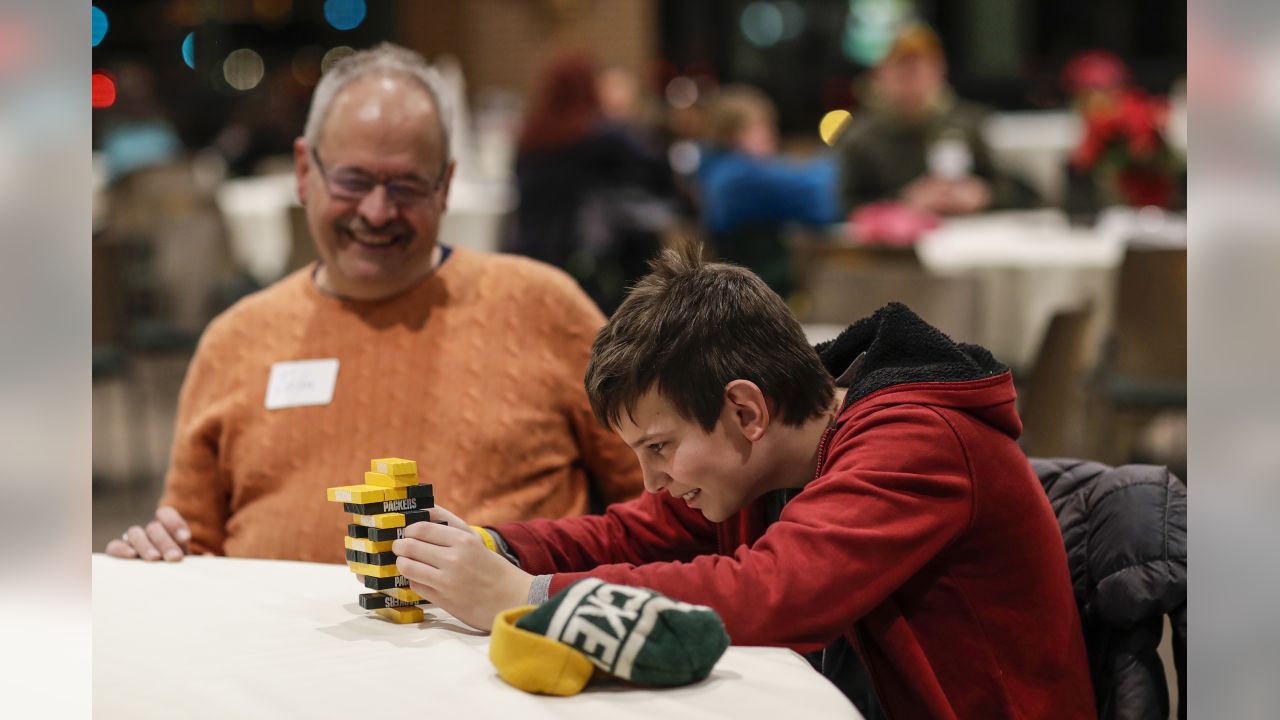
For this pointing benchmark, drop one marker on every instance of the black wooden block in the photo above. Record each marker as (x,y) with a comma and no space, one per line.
(394,581)
(373,601)
(381,558)
(387,506)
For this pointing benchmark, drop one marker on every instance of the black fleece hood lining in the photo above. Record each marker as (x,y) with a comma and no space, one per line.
(902,348)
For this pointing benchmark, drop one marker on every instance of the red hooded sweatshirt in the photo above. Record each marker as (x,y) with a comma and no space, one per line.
(925,541)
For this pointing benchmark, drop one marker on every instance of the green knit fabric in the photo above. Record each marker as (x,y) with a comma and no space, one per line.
(633,633)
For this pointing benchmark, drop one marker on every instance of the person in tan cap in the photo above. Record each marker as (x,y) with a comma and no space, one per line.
(915,141)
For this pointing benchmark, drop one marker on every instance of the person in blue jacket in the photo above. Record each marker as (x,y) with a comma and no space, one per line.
(749,193)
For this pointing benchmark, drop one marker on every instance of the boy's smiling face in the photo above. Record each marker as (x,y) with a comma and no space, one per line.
(716,472)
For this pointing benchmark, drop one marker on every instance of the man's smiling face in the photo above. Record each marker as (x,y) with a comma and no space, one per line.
(381,135)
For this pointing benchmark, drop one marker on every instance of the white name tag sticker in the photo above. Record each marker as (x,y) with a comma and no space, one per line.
(300,383)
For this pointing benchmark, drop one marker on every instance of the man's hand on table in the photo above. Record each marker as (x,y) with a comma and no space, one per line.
(966,195)
(451,567)
(164,538)
(948,197)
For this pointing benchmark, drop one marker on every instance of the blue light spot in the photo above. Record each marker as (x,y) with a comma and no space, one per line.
(344,14)
(762,24)
(189,50)
(99,25)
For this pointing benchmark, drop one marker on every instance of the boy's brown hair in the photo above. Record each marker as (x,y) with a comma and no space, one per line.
(690,327)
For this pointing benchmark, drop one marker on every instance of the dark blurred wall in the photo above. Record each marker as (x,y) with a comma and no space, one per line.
(504,43)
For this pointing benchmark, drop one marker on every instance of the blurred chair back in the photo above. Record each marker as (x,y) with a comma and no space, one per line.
(843,283)
(110,317)
(1125,534)
(1052,398)
(1143,370)
(1150,331)
(176,242)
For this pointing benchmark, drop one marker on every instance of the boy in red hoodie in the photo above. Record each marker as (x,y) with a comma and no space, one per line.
(869,495)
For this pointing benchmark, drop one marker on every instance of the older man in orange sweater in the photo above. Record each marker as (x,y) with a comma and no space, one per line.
(391,344)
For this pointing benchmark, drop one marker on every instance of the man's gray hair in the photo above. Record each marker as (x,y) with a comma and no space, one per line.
(383,59)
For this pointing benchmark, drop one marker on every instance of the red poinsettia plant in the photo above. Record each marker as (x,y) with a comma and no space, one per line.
(1124,148)
(1124,144)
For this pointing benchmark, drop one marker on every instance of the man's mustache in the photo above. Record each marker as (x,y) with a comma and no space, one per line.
(393,227)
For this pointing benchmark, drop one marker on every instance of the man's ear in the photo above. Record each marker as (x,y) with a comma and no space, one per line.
(746,408)
(445,182)
(301,164)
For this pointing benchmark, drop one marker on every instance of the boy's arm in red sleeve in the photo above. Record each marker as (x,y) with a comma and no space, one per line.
(651,528)
(896,491)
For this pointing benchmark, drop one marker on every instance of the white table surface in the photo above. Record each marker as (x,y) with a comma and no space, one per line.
(1024,240)
(229,638)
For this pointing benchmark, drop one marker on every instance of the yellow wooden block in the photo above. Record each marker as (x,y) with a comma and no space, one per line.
(365,494)
(390,481)
(383,521)
(402,594)
(402,615)
(394,466)
(378,571)
(367,545)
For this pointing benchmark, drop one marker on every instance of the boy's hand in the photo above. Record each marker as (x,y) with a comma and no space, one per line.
(451,567)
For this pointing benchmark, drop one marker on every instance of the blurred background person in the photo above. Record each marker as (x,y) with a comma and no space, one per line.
(748,193)
(595,195)
(619,94)
(136,133)
(917,142)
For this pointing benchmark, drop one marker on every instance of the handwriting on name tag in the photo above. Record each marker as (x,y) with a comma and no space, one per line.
(301,383)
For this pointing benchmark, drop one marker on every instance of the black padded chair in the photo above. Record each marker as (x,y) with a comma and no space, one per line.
(1125,531)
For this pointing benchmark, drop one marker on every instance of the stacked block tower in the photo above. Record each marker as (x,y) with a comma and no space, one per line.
(390,499)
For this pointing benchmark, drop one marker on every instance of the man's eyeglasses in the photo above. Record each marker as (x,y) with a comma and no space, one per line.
(352,185)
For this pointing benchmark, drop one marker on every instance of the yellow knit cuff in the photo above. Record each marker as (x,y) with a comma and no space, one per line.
(535,663)
(486,537)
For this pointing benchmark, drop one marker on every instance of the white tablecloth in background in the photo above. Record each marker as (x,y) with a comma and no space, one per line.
(224,638)
(1029,265)
(1025,266)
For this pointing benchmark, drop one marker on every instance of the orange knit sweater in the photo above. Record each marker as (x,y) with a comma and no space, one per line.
(476,373)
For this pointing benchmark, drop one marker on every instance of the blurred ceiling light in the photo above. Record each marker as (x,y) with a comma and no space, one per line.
(99,25)
(344,14)
(243,69)
(870,28)
(333,56)
(682,92)
(306,65)
(832,125)
(189,50)
(762,24)
(103,90)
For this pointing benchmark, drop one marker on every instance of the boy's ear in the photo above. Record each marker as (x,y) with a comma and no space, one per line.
(746,408)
